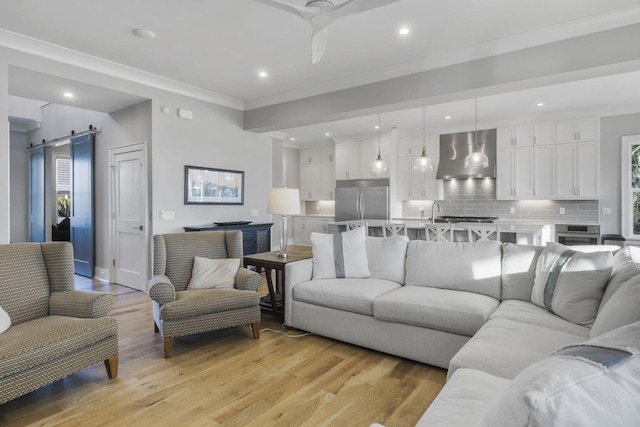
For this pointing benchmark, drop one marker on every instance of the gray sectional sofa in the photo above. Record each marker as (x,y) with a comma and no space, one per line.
(468,308)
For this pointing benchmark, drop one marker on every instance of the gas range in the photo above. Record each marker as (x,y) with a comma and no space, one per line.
(452,219)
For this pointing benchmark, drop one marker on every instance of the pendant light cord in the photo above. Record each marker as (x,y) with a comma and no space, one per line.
(378,135)
(475,136)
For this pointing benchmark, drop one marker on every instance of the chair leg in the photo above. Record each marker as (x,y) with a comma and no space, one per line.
(255,328)
(155,327)
(112,366)
(168,342)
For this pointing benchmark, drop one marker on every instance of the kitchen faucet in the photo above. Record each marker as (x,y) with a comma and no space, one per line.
(433,211)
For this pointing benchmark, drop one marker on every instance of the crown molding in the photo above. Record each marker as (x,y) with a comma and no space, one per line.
(19,42)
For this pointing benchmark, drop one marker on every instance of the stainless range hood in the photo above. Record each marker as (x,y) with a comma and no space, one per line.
(454,147)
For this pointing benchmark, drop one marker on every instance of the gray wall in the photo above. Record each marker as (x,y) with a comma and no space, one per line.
(19,200)
(611,130)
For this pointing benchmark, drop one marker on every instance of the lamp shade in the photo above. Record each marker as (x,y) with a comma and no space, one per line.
(284,201)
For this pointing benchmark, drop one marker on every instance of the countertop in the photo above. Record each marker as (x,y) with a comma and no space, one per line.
(505,227)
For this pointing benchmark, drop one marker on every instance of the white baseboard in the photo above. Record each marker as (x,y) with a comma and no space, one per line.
(101,274)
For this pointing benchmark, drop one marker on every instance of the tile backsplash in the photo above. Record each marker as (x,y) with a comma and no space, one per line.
(323,207)
(478,197)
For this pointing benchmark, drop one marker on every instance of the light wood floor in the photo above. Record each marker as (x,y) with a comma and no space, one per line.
(227,378)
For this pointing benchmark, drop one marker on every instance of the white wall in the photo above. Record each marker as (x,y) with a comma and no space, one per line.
(611,130)
(4,155)
(19,178)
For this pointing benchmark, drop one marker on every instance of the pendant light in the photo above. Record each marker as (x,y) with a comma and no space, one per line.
(378,166)
(476,159)
(424,163)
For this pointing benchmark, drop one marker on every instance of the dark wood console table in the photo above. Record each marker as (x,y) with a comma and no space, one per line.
(256,237)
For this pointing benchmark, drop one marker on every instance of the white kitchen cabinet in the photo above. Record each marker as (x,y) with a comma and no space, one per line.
(415,185)
(370,153)
(544,133)
(578,170)
(580,130)
(349,160)
(412,145)
(317,155)
(303,226)
(514,173)
(544,171)
(317,181)
(514,136)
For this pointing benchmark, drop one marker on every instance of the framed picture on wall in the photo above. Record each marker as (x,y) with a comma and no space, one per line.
(209,186)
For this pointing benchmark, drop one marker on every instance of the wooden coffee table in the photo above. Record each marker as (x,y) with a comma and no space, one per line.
(273,303)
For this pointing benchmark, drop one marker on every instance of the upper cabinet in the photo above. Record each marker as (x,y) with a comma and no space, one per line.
(560,161)
(415,185)
(317,179)
(353,159)
(586,129)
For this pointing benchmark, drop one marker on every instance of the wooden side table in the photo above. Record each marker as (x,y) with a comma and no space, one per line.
(270,261)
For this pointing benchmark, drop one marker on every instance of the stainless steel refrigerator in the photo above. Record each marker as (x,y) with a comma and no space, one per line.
(362,199)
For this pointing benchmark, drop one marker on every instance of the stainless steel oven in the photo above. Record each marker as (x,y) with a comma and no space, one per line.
(576,234)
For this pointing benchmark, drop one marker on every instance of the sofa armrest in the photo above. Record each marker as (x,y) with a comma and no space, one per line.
(161,290)
(84,304)
(248,280)
(298,272)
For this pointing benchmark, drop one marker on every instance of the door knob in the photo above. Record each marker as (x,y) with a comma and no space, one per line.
(139,228)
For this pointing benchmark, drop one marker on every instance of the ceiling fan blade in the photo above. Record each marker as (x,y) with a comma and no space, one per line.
(351,7)
(301,12)
(318,44)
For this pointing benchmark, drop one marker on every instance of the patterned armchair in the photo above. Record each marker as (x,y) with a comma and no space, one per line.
(178,311)
(55,330)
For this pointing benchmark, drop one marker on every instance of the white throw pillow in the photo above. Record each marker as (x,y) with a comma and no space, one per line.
(213,273)
(596,383)
(570,283)
(386,257)
(623,308)
(340,255)
(626,264)
(5,321)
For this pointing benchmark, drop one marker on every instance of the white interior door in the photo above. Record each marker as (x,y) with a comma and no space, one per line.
(129,191)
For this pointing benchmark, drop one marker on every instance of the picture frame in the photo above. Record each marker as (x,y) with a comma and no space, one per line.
(211,186)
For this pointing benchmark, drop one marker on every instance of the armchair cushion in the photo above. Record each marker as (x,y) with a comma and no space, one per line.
(84,304)
(43,340)
(247,280)
(198,302)
(213,273)
(161,289)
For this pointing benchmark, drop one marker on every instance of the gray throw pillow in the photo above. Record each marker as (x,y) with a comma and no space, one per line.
(623,308)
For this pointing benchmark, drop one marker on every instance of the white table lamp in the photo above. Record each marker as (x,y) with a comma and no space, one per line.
(284,201)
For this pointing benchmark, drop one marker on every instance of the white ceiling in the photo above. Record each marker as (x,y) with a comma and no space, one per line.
(220,45)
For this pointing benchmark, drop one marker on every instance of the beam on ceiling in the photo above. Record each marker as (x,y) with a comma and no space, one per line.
(588,56)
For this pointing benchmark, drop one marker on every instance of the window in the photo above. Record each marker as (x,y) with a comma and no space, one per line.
(63,187)
(631,187)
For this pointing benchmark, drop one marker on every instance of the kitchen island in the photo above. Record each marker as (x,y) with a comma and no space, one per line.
(512,232)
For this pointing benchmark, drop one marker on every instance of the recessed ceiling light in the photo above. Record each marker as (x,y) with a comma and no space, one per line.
(403,31)
(68,95)
(263,74)
(144,33)
(327,134)
(292,139)
(376,127)
(540,104)
(447,117)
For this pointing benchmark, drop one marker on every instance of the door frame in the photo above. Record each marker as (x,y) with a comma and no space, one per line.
(113,151)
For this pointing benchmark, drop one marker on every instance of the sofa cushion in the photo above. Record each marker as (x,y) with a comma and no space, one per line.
(519,270)
(622,309)
(463,400)
(526,312)
(626,264)
(473,267)
(593,384)
(43,340)
(571,283)
(213,273)
(198,302)
(442,309)
(353,295)
(340,255)
(504,347)
(386,257)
